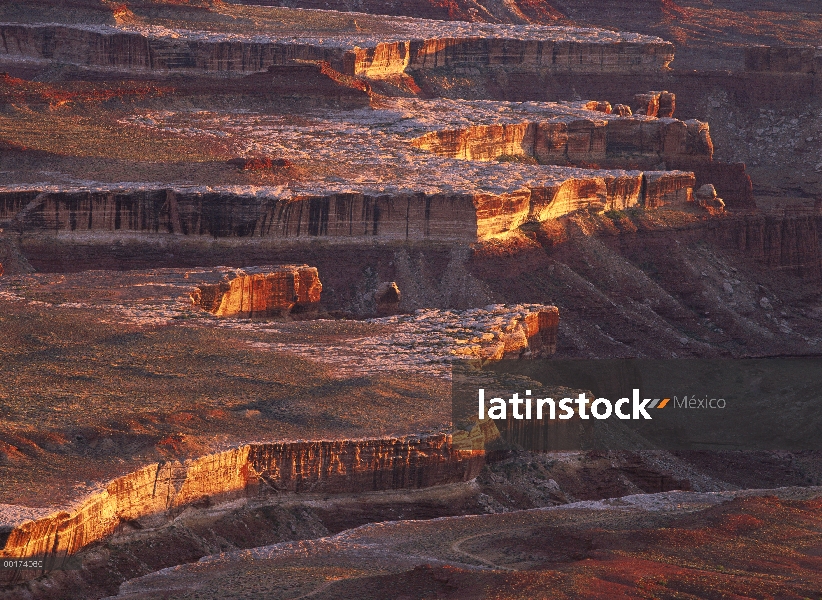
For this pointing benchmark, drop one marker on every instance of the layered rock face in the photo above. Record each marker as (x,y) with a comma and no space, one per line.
(230,215)
(392,58)
(262,292)
(110,47)
(248,471)
(611,142)
(789,244)
(345,216)
(541,331)
(664,188)
(452,47)
(784,59)
(554,56)
(354,466)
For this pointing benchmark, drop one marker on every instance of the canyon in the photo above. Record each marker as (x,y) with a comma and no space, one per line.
(242,246)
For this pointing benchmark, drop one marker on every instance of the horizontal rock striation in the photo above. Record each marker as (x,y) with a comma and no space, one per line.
(788,244)
(344,216)
(109,47)
(258,469)
(123,49)
(552,56)
(413,216)
(610,142)
(261,292)
(784,59)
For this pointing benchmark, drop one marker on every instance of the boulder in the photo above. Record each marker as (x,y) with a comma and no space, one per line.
(707,198)
(706,192)
(623,110)
(647,104)
(387,298)
(604,107)
(731,181)
(667,105)
(655,104)
(270,291)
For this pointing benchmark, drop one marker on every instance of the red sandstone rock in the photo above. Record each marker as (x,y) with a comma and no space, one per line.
(647,104)
(625,143)
(451,48)
(655,104)
(261,292)
(667,104)
(531,333)
(707,198)
(663,188)
(604,107)
(340,466)
(623,110)
(731,181)
(542,327)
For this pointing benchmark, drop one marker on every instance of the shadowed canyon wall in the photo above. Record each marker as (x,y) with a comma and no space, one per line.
(455,217)
(126,50)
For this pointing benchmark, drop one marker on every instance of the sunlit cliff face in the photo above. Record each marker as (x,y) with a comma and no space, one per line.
(241,248)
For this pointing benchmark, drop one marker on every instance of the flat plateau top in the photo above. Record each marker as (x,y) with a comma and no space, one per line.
(324,27)
(366,150)
(130,373)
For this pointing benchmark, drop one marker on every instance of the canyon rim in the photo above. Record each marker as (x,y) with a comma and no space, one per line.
(245,247)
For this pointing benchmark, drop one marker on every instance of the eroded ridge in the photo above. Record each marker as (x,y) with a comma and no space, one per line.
(366,173)
(247,471)
(248,39)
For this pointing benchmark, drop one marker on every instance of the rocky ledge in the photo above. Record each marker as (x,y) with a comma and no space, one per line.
(261,292)
(342,466)
(246,39)
(374,180)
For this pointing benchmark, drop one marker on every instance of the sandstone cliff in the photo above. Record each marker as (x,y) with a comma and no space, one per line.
(261,292)
(788,244)
(345,216)
(248,471)
(784,59)
(453,47)
(604,140)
